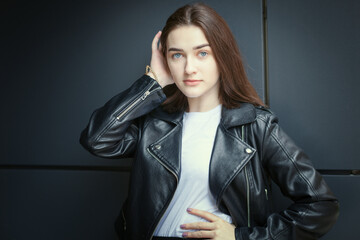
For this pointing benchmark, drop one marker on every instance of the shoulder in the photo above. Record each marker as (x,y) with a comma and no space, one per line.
(246,113)
(265,114)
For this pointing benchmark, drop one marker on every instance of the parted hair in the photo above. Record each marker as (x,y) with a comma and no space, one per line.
(234,87)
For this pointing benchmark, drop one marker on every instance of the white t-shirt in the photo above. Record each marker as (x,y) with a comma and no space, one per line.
(199,130)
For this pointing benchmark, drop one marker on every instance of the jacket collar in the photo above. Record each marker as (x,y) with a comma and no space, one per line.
(238,116)
(229,117)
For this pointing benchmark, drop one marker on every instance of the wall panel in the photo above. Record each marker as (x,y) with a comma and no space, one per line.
(314,53)
(58,205)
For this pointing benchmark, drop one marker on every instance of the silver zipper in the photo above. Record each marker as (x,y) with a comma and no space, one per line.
(247,184)
(142,98)
(247,196)
(177,181)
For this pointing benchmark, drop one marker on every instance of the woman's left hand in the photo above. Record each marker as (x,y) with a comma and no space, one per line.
(215,228)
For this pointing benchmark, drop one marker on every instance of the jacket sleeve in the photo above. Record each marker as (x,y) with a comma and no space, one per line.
(314,209)
(112,131)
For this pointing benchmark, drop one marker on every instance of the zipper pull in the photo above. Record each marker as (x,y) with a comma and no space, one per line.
(266,194)
(145,95)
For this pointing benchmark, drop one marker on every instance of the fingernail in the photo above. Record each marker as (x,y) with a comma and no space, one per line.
(182,226)
(189,209)
(185,234)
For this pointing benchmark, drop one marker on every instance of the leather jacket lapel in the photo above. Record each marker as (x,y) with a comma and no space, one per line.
(167,150)
(230,155)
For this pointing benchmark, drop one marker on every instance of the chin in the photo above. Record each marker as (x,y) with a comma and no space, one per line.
(191,95)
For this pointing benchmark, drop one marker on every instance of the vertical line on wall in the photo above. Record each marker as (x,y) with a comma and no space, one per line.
(265,52)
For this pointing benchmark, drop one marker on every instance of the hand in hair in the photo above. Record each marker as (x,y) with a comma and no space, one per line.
(158,63)
(215,228)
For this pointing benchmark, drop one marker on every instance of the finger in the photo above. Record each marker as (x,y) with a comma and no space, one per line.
(199,234)
(160,45)
(198,226)
(155,41)
(204,214)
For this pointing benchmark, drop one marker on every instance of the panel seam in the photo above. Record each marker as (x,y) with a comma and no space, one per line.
(265,52)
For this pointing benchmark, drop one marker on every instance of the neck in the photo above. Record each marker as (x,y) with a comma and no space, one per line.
(198,105)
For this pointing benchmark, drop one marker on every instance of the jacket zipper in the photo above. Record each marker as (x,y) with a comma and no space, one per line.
(167,204)
(247,196)
(247,184)
(142,98)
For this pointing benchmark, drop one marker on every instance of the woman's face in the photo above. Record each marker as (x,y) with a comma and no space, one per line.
(192,63)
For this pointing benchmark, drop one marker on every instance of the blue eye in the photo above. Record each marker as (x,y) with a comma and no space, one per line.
(203,54)
(177,55)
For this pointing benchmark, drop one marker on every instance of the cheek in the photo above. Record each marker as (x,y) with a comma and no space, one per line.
(214,67)
(175,68)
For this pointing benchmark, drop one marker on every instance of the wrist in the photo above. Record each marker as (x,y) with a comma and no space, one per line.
(152,74)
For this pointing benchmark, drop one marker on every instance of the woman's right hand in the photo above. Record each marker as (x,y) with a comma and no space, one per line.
(158,63)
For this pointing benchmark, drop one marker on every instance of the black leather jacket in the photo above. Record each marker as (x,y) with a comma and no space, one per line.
(250,150)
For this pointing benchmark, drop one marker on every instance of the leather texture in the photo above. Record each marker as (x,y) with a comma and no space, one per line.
(250,152)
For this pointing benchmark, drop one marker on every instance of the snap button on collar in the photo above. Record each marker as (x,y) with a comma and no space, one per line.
(158,147)
(248,150)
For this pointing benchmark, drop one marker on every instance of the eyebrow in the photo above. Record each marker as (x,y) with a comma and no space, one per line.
(181,50)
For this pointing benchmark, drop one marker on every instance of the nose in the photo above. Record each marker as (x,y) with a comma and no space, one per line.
(190,67)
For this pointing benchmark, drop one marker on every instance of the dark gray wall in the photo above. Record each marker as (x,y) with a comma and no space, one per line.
(313,76)
(62,59)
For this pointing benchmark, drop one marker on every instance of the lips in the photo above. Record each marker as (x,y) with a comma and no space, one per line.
(191,82)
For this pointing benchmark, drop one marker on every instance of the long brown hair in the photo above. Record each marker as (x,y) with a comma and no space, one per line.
(234,87)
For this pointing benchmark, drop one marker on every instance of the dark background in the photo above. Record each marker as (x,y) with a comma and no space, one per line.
(62,59)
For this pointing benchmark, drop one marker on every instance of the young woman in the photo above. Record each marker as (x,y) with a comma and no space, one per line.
(205,148)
